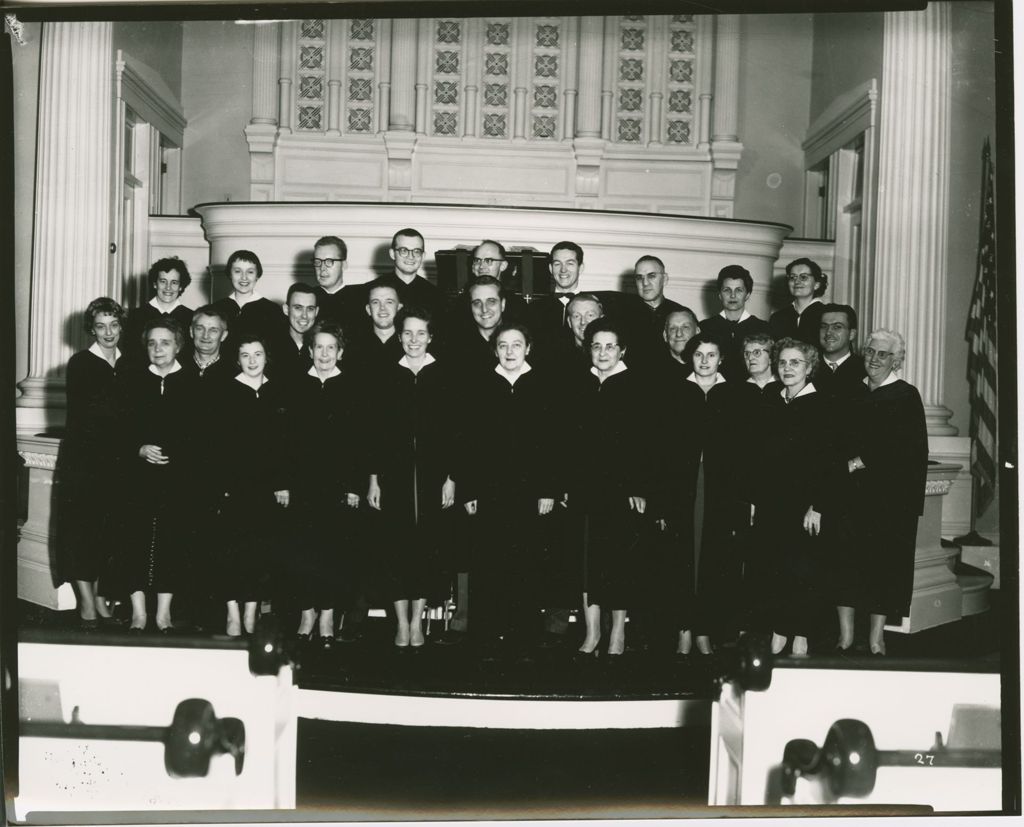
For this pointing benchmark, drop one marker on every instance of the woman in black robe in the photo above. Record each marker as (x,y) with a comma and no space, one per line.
(245,310)
(328,490)
(885,449)
(160,433)
(414,483)
(508,484)
(168,279)
(801,319)
(256,482)
(722,498)
(89,463)
(609,483)
(794,483)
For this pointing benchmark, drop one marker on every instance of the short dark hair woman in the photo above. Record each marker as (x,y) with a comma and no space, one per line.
(245,309)
(168,279)
(416,459)
(88,470)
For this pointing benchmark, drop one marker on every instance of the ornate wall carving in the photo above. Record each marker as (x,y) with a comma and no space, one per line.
(592,112)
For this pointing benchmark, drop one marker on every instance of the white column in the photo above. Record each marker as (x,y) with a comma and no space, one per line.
(335,75)
(286,77)
(474,56)
(402,117)
(725,145)
(571,82)
(609,51)
(425,52)
(727,76)
(384,75)
(261,131)
(588,123)
(71,240)
(658,34)
(913,197)
(523,71)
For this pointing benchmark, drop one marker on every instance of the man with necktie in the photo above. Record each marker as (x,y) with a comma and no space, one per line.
(548,315)
(841,372)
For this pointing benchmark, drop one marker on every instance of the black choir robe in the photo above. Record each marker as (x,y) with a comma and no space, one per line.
(415,444)
(261,317)
(160,411)
(90,466)
(254,447)
(509,463)
(646,330)
(806,326)
(874,561)
(605,469)
(847,380)
(730,336)
(797,468)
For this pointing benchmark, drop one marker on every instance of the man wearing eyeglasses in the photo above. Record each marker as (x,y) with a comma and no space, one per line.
(336,301)
(840,374)
(734,323)
(407,251)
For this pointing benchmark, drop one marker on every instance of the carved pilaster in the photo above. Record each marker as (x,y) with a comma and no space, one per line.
(402,114)
(727,76)
(474,52)
(591,59)
(589,152)
(335,73)
(286,77)
(913,197)
(266,58)
(424,38)
(609,50)
(521,81)
(73,206)
(400,146)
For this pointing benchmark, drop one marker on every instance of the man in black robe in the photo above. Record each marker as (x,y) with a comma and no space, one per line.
(548,316)
(301,308)
(841,372)
(646,317)
(337,302)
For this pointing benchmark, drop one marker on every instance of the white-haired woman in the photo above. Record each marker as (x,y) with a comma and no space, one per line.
(885,448)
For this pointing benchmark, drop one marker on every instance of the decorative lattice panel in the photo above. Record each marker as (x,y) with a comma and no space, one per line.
(631,79)
(547,70)
(496,82)
(311,85)
(449,36)
(680,90)
(360,75)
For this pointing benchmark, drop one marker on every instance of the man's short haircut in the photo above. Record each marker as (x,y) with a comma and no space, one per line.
(376,287)
(687,311)
(816,273)
(585,297)
(568,245)
(408,231)
(809,352)
(501,247)
(604,324)
(762,339)
(411,312)
(504,327)
(165,265)
(702,338)
(300,287)
(335,241)
(734,271)
(891,335)
(655,259)
(851,314)
(244,255)
(104,304)
(328,326)
(168,322)
(210,310)
(485,281)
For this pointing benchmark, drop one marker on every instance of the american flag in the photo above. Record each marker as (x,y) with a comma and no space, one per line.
(982,359)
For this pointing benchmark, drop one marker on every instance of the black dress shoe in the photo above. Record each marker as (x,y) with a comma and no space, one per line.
(88,625)
(326,642)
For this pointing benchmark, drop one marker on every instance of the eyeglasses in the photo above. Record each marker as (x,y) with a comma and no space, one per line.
(406,252)
(791,363)
(800,277)
(611,347)
(486,262)
(326,262)
(756,352)
(870,352)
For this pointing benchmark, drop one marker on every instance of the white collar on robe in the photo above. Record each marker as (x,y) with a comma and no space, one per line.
(156,305)
(253,296)
(743,316)
(806,390)
(511,378)
(249,382)
(96,350)
(615,371)
(427,360)
(335,372)
(892,377)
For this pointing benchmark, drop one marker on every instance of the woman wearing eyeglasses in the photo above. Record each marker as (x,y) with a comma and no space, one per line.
(794,478)
(415,452)
(757,358)
(801,319)
(884,460)
(609,483)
